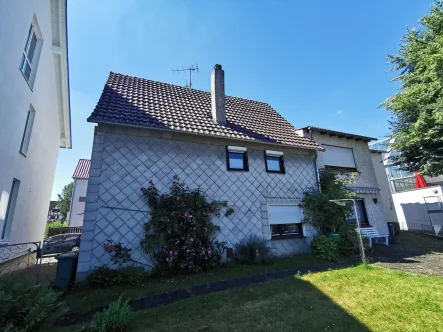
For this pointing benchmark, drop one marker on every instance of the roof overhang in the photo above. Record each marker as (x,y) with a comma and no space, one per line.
(338,134)
(59,49)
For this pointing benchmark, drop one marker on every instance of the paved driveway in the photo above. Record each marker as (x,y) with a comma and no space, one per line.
(412,252)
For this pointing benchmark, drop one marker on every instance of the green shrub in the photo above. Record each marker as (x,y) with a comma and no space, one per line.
(116,318)
(325,248)
(105,277)
(54,224)
(25,306)
(348,244)
(252,250)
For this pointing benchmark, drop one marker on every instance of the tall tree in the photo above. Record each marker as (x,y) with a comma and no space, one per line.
(417,110)
(64,200)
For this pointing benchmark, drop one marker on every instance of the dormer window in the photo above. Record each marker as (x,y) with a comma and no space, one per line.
(237,158)
(274,161)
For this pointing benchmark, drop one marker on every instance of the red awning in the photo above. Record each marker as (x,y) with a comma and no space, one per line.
(420,181)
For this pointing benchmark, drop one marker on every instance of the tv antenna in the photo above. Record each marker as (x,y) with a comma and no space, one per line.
(192,69)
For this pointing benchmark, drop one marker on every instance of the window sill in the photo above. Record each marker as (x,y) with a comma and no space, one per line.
(287,237)
(237,170)
(275,172)
(23,154)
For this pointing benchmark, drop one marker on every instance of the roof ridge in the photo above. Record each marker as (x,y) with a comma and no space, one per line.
(182,87)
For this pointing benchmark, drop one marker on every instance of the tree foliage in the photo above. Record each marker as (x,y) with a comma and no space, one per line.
(64,200)
(417,121)
(319,210)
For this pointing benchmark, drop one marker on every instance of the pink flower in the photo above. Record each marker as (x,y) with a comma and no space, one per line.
(170,253)
(191,239)
(203,252)
(167,259)
(182,184)
(144,191)
(165,196)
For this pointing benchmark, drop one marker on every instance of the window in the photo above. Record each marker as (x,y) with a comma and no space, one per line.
(6,215)
(82,199)
(31,53)
(285,221)
(338,157)
(237,158)
(404,184)
(274,161)
(27,132)
(361,210)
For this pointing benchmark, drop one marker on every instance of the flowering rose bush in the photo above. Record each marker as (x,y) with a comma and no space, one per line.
(119,254)
(180,234)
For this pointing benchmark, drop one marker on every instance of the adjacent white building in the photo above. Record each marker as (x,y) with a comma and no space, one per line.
(417,208)
(80,176)
(34,112)
(349,153)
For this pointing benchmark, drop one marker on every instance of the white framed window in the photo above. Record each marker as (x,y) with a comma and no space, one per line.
(274,161)
(31,53)
(28,130)
(8,202)
(338,157)
(237,158)
(285,221)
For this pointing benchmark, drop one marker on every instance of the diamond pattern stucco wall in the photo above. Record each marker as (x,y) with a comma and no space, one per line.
(123,160)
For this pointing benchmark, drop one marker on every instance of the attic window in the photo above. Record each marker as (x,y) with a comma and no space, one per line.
(237,158)
(274,161)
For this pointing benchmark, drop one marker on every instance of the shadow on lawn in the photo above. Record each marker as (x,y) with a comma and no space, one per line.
(290,304)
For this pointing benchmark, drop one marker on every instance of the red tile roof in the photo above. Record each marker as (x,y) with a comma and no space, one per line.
(128,100)
(82,169)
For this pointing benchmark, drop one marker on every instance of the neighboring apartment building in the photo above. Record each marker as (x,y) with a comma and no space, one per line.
(34,112)
(80,176)
(350,153)
(417,208)
(235,149)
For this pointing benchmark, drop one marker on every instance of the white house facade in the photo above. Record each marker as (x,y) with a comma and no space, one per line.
(77,209)
(350,153)
(235,149)
(34,112)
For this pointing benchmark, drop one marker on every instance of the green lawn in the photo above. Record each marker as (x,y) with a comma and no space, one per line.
(84,300)
(361,298)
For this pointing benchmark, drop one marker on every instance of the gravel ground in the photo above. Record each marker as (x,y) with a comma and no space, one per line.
(412,252)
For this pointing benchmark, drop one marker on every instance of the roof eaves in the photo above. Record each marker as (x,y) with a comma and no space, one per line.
(339,134)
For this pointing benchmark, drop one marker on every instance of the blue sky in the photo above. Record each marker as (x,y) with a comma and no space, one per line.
(318,63)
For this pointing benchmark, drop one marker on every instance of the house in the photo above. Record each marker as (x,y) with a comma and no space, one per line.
(235,149)
(34,113)
(418,207)
(54,211)
(350,153)
(77,209)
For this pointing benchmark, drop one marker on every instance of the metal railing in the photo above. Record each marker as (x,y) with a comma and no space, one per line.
(21,258)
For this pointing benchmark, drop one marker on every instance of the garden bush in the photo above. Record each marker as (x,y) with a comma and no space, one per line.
(252,250)
(325,248)
(105,277)
(116,318)
(348,244)
(24,306)
(180,234)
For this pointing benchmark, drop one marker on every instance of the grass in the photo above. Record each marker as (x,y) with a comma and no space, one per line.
(87,299)
(361,298)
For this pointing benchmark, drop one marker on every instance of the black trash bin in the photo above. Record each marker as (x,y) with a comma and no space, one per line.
(392,232)
(66,270)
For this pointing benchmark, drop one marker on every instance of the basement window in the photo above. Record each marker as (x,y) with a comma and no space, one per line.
(237,158)
(274,162)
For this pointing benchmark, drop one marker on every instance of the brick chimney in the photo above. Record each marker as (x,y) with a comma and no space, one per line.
(218,95)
